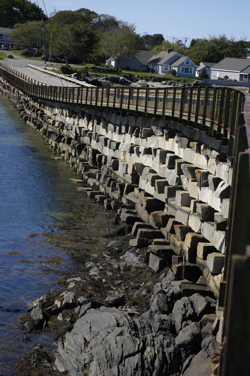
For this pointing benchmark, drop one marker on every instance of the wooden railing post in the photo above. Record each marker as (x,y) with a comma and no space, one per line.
(146,102)
(182,102)
(190,102)
(164,103)
(197,107)
(156,101)
(173,103)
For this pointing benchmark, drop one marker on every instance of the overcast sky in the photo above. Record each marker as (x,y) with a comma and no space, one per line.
(173,19)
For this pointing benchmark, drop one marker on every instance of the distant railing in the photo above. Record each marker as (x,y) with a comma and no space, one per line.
(216,109)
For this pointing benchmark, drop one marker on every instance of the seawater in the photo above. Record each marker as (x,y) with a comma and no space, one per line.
(35,193)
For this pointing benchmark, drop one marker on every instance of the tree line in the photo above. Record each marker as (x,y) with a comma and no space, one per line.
(85,36)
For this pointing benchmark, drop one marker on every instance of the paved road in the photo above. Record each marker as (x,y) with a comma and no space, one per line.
(21,65)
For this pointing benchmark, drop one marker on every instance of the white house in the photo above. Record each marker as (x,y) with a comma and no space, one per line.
(6,40)
(232,68)
(165,61)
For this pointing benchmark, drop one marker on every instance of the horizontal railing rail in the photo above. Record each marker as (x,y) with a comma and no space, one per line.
(216,109)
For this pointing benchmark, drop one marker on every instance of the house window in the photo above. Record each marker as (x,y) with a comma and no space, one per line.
(187,70)
(1,36)
(187,62)
(166,67)
(244,77)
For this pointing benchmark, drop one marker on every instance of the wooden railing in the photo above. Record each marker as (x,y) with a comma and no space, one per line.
(216,109)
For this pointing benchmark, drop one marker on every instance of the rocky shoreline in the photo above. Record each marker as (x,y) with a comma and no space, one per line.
(119,317)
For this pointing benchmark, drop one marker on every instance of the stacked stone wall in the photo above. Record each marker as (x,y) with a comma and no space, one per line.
(155,172)
(169,180)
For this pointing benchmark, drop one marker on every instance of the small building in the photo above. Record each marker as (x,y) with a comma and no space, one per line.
(204,68)
(232,69)
(6,40)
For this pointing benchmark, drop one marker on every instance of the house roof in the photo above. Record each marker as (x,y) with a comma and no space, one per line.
(232,64)
(180,61)
(143,56)
(203,65)
(5,30)
(247,70)
(163,56)
(209,65)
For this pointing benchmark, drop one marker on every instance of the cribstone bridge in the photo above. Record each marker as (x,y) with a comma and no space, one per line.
(180,158)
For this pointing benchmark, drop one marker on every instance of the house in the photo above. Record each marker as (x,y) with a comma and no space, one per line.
(165,61)
(6,40)
(137,62)
(162,63)
(202,68)
(184,67)
(232,69)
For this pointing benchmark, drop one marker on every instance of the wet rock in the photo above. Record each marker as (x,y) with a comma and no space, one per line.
(183,313)
(115,246)
(115,300)
(37,313)
(188,339)
(68,298)
(202,305)
(94,271)
(199,366)
(159,303)
(83,347)
(134,258)
(131,347)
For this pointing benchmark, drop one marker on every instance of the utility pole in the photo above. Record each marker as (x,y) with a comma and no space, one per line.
(45,43)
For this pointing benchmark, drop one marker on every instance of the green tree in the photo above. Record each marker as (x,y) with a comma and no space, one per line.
(203,73)
(238,49)
(72,35)
(150,41)
(215,49)
(19,11)
(121,42)
(176,46)
(30,34)
(104,22)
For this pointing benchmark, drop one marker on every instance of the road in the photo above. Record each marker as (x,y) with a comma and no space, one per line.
(22,65)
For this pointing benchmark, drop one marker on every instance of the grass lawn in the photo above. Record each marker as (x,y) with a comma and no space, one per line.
(19,53)
(2,55)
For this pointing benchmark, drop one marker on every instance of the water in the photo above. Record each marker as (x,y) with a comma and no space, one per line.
(35,192)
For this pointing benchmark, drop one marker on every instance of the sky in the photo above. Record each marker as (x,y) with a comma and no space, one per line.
(181,19)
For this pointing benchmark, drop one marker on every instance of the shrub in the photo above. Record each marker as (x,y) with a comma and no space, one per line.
(67,69)
(203,73)
(173,72)
(83,72)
